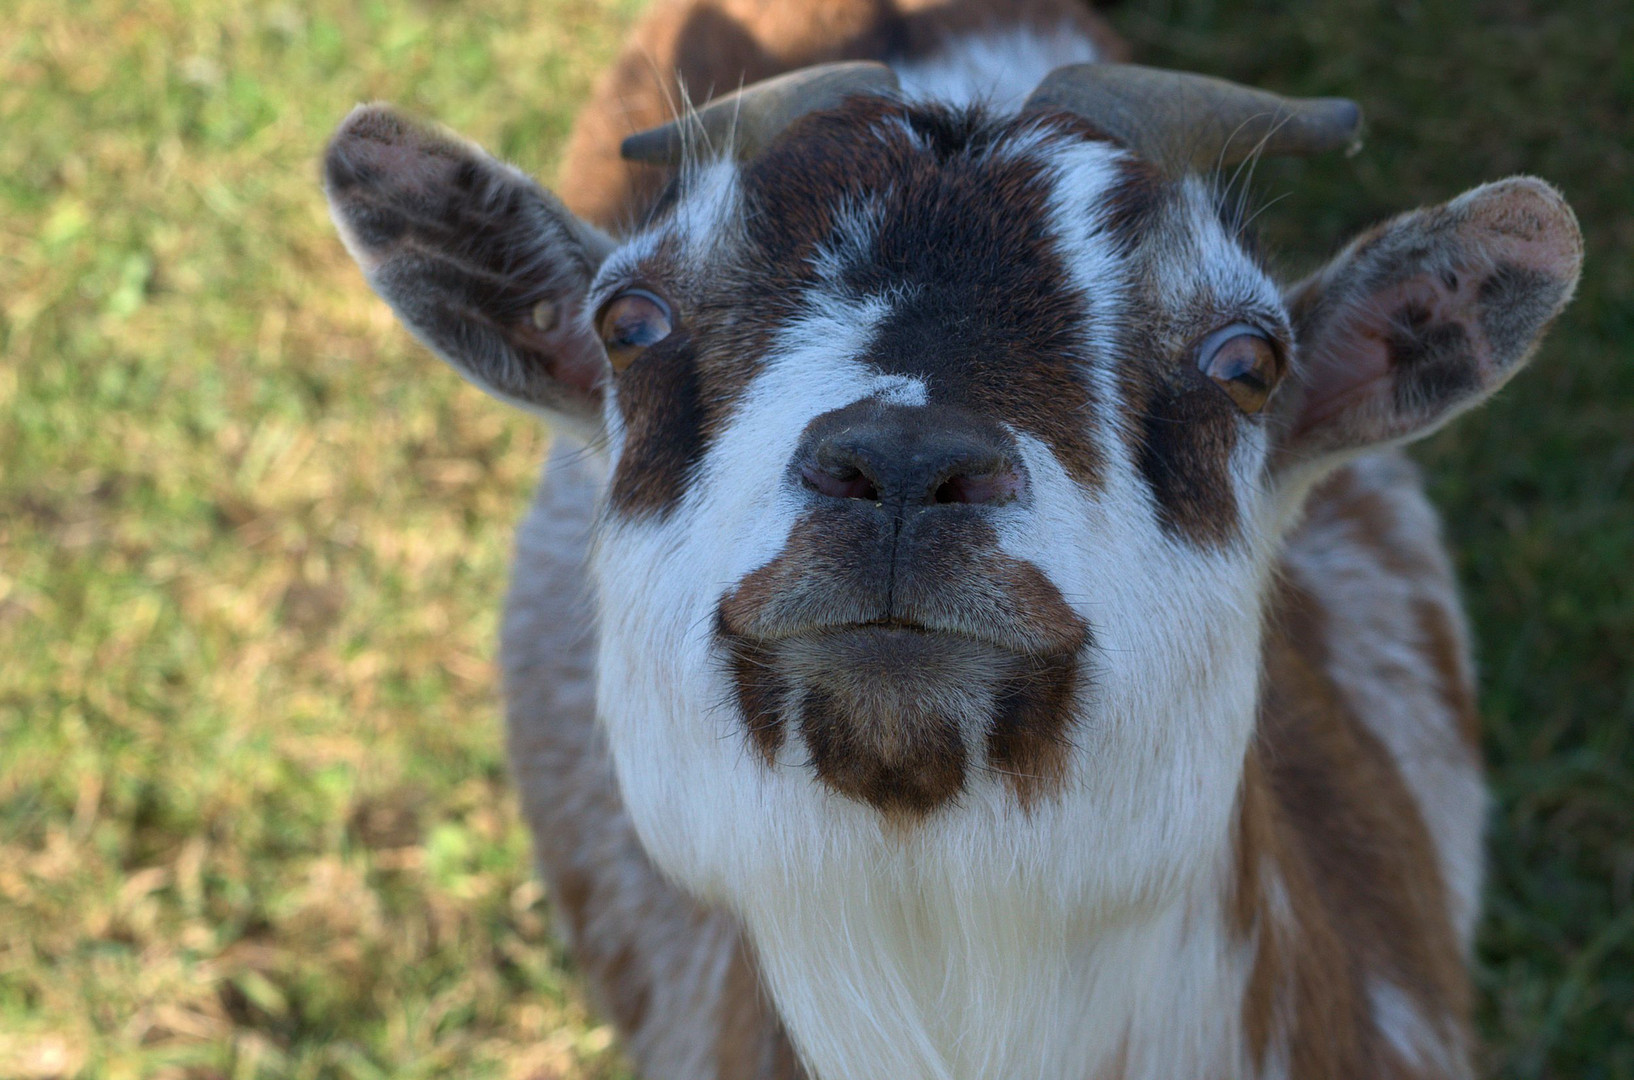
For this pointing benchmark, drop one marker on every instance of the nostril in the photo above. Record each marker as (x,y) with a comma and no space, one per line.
(998,486)
(848,483)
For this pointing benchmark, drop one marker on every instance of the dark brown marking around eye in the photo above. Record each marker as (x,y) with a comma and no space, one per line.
(659,401)
(1185,456)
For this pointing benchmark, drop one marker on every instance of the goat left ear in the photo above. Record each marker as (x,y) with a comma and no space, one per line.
(1425,316)
(483,265)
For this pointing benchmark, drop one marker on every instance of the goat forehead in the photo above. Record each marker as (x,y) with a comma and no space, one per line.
(1005,266)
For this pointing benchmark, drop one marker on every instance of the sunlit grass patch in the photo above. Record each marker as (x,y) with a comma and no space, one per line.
(254,818)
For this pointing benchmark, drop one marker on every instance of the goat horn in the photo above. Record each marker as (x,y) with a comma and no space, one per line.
(752,117)
(1181,121)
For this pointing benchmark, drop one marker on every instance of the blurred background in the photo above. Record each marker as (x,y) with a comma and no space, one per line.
(254,816)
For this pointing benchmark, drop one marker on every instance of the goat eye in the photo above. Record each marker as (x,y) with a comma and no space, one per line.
(1244,362)
(630,322)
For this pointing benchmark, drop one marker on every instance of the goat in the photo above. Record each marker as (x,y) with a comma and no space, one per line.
(975,622)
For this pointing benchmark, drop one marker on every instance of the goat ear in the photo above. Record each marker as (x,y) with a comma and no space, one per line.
(1425,316)
(485,267)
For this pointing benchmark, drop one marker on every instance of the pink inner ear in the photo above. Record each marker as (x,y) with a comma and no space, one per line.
(568,354)
(1357,363)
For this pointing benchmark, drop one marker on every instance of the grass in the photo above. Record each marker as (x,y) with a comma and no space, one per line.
(254,820)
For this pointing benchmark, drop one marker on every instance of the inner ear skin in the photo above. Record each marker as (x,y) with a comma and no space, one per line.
(1421,348)
(1429,352)
(1514,301)
(1410,340)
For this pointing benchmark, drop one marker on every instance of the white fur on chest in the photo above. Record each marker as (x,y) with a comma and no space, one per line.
(901,968)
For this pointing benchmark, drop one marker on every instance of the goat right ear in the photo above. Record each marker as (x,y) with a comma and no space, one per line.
(485,267)
(1425,316)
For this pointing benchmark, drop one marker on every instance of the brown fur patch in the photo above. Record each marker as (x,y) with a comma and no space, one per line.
(761,692)
(1135,201)
(904,763)
(1325,810)
(713,48)
(1027,743)
(1182,430)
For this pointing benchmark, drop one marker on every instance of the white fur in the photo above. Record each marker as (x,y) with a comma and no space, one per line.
(1000,69)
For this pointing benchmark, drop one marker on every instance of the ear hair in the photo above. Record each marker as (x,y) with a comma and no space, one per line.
(1425,316)
(485,267)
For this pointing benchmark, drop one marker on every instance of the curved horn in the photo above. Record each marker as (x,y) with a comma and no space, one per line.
(752,117)
(1181,121)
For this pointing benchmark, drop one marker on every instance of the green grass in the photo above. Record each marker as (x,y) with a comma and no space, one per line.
(254,819)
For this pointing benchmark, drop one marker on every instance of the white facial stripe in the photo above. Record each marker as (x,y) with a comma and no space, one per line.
(1084,174)
(816,366)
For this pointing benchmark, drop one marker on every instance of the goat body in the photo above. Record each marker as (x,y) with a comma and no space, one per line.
(1179,777)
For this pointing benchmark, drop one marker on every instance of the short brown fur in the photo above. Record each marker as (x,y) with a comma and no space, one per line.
(1324,810)
(714,48)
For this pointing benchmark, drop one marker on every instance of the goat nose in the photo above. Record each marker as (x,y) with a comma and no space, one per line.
(910,456)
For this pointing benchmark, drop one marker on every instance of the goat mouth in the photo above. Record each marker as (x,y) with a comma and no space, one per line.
(1003,635)
(893,634)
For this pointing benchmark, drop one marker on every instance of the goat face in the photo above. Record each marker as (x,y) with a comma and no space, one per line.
(924,512)
(948,454)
